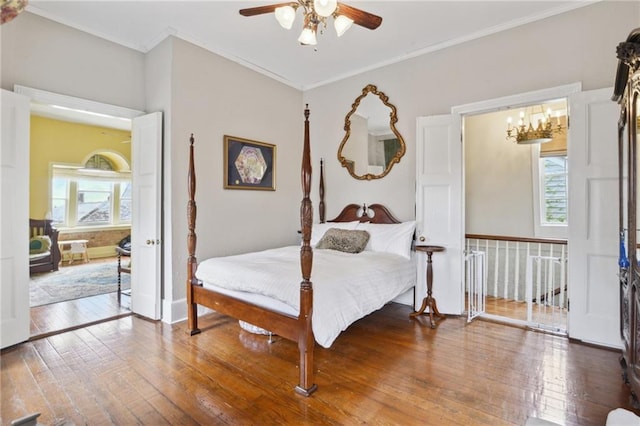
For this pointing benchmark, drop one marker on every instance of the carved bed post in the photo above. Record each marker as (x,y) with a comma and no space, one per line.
(321,207)
(192,263)
(306,341)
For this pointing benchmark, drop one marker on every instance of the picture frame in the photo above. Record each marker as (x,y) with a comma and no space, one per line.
(249,164)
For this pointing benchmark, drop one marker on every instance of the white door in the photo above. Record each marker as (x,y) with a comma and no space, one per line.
(14,219)
(146,140)
(439,209)
(593,219)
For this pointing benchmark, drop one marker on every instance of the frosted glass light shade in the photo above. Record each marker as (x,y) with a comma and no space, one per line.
(325,8)
(342,24)
(285,16)
(308,36)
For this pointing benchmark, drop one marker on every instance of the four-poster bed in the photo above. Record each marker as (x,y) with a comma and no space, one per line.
(282,300)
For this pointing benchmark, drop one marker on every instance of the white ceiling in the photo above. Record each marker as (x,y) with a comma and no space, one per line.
(409,28)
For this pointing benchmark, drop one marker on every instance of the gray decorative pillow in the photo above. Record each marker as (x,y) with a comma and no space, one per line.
(346,240)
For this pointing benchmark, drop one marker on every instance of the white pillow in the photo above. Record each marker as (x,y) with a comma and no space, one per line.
(318,229)
(392,238)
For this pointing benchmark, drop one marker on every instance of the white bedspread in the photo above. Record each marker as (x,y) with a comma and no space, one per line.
(346,287)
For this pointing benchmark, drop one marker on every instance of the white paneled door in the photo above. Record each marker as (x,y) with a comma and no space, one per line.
(439,209)
(593,219)
(146,240)
(14,219)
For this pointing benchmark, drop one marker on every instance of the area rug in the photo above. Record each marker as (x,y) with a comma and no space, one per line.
(75,282)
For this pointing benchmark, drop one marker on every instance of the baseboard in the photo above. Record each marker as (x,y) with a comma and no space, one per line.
(174,311)
(405,298)
(100,252)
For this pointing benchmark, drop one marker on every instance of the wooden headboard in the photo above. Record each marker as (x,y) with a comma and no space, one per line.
(375,213)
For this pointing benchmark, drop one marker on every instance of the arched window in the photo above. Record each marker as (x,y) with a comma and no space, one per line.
(99,162)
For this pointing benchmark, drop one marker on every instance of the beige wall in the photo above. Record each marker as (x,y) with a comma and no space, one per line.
(43,54)
(578,46)
(498,179)
(214,98)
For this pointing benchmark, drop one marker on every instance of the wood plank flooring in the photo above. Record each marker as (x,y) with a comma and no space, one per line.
(60,316)
(55,317)
(385,369)
(518,310)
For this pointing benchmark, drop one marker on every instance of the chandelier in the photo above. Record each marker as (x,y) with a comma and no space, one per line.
(316,13)
(542,132)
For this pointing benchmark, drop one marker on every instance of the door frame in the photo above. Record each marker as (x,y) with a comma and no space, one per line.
(106,114)
(98,109)
(516,100)
(503,103)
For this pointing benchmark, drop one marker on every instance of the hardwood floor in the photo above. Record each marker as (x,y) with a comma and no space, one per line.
(384,369)
(62,316)
(518,310)
(57,317)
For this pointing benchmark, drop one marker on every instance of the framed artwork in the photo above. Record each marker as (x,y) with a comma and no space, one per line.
(249,164)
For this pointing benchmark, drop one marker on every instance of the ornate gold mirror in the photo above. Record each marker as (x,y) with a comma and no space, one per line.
(371,144)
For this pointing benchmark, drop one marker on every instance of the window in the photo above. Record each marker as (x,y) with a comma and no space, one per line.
(125,202)
(554,175)
(550,194)
(94,201)
(59,200)
(94,195)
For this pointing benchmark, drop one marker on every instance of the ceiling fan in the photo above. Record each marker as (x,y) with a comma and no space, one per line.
(316,13)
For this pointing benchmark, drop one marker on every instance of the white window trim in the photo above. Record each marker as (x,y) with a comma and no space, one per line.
(72,174)
(542,230)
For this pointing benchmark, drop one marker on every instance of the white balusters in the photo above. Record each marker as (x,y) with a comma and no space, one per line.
(496,268)
(517,274)
(506,271)
(506,267)
(475,273)
(533,271)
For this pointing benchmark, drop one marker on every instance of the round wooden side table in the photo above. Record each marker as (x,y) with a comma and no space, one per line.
(429,301)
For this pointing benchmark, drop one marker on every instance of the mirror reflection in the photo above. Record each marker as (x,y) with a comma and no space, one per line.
(371,145)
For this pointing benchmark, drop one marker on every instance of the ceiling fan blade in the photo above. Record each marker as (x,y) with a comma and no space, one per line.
(259,10)
(360,17)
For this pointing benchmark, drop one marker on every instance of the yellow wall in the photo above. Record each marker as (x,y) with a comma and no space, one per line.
(54,141)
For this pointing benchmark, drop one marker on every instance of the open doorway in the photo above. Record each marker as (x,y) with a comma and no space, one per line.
(593,186)
(516,214)
(80,181)
(146,220)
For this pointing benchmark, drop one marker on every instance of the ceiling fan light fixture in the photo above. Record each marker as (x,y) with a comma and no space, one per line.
(308,37)
(285,16)
(317,13)
(325,8)
(341,23)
